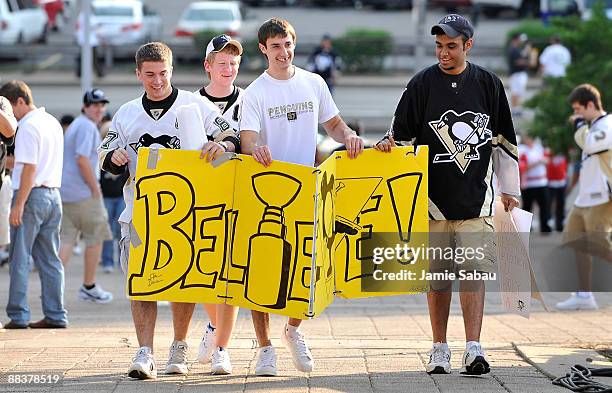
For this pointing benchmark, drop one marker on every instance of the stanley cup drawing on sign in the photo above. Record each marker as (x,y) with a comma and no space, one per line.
(285,239)
(269,250)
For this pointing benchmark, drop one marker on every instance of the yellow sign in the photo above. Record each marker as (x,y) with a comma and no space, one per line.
(241,233)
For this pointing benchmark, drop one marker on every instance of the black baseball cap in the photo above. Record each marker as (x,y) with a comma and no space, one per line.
(94,96)
(221,41)
(453,25)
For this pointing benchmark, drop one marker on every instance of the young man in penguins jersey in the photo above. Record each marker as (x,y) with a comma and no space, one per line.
(162,117)
(221,63)
(461,112)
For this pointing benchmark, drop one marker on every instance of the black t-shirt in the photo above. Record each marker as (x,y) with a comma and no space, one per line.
(5,144)
(515,54)
(461,118)
(112,185)
(324,62)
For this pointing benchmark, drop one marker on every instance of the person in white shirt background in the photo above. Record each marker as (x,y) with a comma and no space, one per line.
(554,59)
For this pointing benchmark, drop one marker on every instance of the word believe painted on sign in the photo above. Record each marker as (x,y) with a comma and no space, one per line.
(284,239)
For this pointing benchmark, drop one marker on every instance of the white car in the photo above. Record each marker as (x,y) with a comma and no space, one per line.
(123,22)
(22,22)
(223,16)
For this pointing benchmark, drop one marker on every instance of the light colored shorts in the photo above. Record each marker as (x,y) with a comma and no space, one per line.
(518,83)
(472,242)
(87,217)
(589,229)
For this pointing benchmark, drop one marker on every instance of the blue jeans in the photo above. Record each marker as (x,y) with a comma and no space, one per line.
(114,207)
(37,238)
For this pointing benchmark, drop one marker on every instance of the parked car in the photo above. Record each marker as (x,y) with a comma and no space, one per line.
(22,22)
(587,8)
(385,4)
(492,8)
(259,3)
(210,15)
(125,22)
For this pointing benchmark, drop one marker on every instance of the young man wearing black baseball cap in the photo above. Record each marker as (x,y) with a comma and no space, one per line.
(460,111)
(82,201)
(221,64)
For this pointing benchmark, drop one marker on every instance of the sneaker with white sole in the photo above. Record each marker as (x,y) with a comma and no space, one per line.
(266,362)
(300,353)
(143,365)
(221,364)
(475,361)
(177,358)
(578,302)
(207,345)
(95,295)
(439,360)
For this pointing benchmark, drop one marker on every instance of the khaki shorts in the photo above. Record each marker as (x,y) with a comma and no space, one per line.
(87,217)
(472,243)
(589,229)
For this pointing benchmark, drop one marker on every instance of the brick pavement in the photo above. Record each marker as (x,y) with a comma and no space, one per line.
(368,345)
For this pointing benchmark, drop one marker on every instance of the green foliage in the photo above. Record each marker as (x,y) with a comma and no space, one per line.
(364,50)
(252,56)
(202,38)
(589,42)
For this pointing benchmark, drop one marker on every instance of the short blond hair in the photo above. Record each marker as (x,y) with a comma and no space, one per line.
(230,49)
(154,52)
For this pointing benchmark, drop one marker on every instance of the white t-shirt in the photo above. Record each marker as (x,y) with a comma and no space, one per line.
(555,58)
(286,114)
(536,175)
(187,123)
(39,141)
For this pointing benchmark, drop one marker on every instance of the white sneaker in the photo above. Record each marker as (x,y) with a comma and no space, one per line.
(143,365)
(207,345)
(108,269)
(439,360)
(221,364)
(296,344)
(575,302)
(95,295)
(266,362)
(475,361)
(177,358)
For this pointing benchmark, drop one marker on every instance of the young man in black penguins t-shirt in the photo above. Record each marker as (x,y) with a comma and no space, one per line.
(460,111)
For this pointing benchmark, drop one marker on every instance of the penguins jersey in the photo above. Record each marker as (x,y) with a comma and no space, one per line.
(181,121)
(466,122)
(229,106)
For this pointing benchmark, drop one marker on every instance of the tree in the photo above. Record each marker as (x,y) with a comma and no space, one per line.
(589,42)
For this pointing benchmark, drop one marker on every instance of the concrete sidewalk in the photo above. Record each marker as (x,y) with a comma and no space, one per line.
(368,345)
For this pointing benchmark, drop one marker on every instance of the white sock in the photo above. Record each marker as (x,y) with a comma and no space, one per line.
(470,344)
(291,330)
(584,294)
(443,346)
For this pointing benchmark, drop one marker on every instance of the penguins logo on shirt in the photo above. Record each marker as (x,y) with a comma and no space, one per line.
(462,135)
(146,140)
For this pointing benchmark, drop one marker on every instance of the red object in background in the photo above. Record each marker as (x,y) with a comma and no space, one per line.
(52,8)
(556,167)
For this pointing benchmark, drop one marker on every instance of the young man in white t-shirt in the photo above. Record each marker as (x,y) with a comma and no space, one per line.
(221,64)
(589,223)
(281,111)
(162,117)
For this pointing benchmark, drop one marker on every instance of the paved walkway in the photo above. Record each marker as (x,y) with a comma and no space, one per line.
(369,345)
